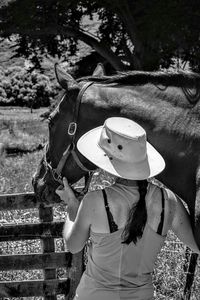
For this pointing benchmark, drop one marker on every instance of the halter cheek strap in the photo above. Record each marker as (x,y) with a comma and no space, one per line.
(71,132)
(56,172)
(73,124)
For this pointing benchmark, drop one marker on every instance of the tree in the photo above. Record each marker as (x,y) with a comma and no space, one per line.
(142,35)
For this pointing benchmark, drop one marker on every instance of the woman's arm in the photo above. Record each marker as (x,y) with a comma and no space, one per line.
(77,225)
(76,233)
(181,225)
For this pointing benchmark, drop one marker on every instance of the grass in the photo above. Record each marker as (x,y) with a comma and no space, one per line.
(25,131)
(21,132)
(23,120)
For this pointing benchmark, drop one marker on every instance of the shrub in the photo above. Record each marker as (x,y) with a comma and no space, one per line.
(22,88)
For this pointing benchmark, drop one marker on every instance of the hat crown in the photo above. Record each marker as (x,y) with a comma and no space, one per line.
(120,147)
(123,139)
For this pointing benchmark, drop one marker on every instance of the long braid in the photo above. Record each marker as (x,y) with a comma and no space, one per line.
(137,216)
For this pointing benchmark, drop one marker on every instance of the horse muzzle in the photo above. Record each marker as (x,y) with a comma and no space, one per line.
(44,188)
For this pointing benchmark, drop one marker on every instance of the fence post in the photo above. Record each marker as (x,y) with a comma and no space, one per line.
(46,215)
(190,276)
(49,260)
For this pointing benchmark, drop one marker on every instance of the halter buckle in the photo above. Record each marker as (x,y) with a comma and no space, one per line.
(72,128)
(57,177)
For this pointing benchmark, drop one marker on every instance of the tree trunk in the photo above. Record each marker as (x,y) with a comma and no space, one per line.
(126,16)
(100,48)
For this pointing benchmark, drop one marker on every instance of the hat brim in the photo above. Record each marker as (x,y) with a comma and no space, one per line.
(152,165)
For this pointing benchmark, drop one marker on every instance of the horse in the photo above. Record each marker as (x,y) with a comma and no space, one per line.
(164,103)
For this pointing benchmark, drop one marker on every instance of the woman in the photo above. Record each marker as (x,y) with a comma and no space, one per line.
(127,222)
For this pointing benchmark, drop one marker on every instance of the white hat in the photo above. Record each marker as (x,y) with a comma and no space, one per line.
(120,148)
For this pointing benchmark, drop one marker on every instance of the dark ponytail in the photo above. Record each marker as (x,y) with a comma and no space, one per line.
(137,216)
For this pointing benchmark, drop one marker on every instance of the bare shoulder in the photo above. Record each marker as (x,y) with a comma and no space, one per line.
(93,196)
(155,206)
(171,200)
(91,200)
(153,198)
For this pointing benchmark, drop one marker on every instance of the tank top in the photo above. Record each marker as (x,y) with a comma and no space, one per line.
(117,271)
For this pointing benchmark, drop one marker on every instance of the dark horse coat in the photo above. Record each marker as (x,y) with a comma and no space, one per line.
(165,104)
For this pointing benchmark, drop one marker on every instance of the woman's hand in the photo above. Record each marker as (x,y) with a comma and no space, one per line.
(67,196)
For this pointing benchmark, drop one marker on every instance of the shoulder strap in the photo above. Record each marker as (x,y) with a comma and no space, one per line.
(160,226)
(112,225)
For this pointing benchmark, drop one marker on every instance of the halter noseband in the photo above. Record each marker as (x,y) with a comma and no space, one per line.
(56,172)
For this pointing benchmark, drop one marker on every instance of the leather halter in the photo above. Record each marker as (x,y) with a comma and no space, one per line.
(56,172)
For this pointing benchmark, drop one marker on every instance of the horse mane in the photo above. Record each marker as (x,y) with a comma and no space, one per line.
(177,79)
(188,82)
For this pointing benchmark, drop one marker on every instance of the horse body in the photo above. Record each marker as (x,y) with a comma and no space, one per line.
(169,128)
(161,107)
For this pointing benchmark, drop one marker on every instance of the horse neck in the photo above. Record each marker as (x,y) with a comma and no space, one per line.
(152,107)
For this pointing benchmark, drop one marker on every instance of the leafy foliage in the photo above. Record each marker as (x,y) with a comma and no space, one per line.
(142,34)
(19,87)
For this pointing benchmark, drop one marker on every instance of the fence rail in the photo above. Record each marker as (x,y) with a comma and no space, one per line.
(46,230)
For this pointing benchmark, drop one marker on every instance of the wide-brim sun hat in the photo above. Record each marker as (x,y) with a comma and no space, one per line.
(120,147)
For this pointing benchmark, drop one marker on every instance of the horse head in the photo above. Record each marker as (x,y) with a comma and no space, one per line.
(67,123)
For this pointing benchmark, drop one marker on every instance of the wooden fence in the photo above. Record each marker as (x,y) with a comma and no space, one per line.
(49,260)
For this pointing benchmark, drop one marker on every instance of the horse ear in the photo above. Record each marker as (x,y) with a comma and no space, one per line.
(99,70)
(65,80)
